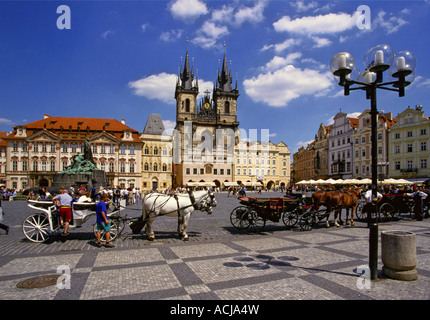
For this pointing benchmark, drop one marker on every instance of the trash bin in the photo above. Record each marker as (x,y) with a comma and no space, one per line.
(399,255)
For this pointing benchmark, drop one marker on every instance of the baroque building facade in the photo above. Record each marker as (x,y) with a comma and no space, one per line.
(156,155)
(38,150)
(409,150)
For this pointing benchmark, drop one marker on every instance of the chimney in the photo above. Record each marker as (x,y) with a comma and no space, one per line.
(389,115)
(123,121)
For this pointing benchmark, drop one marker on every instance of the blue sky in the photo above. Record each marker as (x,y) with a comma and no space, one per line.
(120,59)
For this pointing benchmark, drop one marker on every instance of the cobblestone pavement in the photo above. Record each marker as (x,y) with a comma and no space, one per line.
(217,263)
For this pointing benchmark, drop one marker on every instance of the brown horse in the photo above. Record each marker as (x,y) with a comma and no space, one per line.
(345,199)
(322,197)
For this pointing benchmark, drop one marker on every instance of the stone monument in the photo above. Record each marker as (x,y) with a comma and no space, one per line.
(82,171)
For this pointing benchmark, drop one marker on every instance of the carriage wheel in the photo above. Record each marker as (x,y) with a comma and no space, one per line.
(305,222)
(359,212)
(237,214)
(114,231)
(386,212)
(290,219)
(36,227)
(252,222)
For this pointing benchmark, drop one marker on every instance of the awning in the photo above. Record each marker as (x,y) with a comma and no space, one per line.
(230,184)
(201,184)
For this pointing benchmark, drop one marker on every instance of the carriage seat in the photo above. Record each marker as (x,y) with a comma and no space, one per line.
(81,210)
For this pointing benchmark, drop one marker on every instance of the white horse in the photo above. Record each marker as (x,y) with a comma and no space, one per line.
(179,205)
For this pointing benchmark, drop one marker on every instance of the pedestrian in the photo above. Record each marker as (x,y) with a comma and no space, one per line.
(369,206)
(64,204)
(419,198)
(103,223)
(3,226)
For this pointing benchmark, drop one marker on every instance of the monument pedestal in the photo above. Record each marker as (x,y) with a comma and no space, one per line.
(97,179)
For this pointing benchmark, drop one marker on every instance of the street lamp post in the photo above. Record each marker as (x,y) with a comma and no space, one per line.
(377,60)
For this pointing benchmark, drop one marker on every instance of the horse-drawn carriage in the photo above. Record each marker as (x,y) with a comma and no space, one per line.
(40,226)
(252,214)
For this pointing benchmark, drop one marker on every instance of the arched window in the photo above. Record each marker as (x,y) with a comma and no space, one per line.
(146,150)
(227,107)
(155,167)
(187,105)
(146,166)
(155,150)
(164,167)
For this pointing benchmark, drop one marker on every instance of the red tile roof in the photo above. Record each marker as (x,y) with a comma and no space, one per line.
(76,128)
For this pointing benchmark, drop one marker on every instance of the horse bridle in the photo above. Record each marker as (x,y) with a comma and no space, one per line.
(196,205)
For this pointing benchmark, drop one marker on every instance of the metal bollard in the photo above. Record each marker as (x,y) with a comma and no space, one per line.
(373,251)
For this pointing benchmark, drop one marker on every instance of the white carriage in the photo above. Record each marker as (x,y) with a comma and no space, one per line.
(40,226)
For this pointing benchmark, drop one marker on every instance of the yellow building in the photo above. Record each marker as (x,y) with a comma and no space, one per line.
(156,155)
(409,151)
(265,165)
(362,145)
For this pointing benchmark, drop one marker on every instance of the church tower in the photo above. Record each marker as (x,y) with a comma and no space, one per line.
(186,93)
(225,97)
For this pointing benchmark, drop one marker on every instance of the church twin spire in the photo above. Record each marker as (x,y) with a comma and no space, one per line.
(186,77)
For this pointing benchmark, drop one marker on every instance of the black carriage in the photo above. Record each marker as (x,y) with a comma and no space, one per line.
(392,206)
(252,214)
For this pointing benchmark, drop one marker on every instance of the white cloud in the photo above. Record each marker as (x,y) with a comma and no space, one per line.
(421,82)
(250,14)
(144,26)
(389,22)
(188,9)
(278,88)
(321,42)
(161,87)
(105,34)
(321,24)
(279,62)
(300,5)
(279,47)
(171,35)
(209,33)
(4,121)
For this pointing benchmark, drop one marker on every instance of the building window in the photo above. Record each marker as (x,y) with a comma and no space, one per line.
(14,165)
(131,167)
(227,107)
(122,149)
(146,166)
(103,166)
(146,150)
(103,149)
(164,167)
(397,165)
(34,165)
(64,165)
(423,132)
(155,151)
(131,150)
(409,134)
(194,170)
(155,167)
(188,171)
(52,148)
(423,146)
(423,163)
(410,147)
(52,166)
(65,148)
(24,165)
(111,167)
(111,149)
(397,136)
(43,165)
(122,167)
(397,149)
